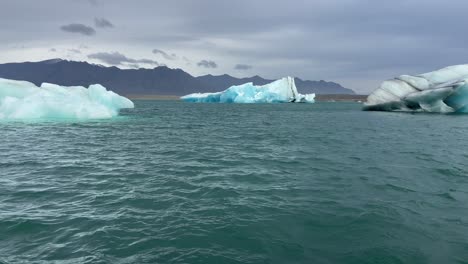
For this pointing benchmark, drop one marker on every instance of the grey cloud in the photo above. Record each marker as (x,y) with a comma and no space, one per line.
(133,66)
(116,58)
(78,28)
(52,50)
(77,51)
(103,23)
(207,64)
(165,54)
(242,67)
(337,40)
(187,61)
(146,61)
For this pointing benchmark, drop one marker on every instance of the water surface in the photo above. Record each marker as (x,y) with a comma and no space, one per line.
(173,182)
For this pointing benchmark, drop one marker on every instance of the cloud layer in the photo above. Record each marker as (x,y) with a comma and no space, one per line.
(358,43)
(165,55)
(242,67)
(102,23)
(78,28)
(207,64)
(116,58)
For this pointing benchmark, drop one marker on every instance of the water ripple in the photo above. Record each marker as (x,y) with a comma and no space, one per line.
(170,182)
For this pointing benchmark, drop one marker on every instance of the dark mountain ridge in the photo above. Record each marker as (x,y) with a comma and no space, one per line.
(158,81)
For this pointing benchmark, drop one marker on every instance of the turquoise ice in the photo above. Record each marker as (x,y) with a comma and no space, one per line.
(281,91)
(24,100)
(443,91)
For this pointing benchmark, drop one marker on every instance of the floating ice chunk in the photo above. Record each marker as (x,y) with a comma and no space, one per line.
(24,100)
(444,91)
(281,91)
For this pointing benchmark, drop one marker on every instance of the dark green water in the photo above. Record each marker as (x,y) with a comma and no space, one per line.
(172,182)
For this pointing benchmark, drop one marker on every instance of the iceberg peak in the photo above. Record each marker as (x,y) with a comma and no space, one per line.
(280,91)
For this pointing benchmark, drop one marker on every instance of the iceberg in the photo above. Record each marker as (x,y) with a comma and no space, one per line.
(281,91)
(441,91)
(24,100)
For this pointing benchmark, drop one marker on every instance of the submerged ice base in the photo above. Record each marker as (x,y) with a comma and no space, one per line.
(24,100)
(281,91)
(443,91)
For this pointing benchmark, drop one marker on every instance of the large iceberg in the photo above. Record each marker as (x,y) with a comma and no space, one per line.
(24,100)
(281,91)
(443,91)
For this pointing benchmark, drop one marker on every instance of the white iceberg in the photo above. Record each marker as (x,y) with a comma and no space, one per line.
(24,100)
(281,91)
(443,91)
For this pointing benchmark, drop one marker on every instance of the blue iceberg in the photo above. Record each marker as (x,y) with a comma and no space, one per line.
(441,91)
(281,91)
(24,100)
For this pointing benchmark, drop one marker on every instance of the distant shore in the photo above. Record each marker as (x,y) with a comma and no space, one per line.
(341,97)
(152,97)
(318,97)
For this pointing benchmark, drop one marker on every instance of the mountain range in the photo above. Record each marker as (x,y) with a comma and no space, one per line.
(158,81)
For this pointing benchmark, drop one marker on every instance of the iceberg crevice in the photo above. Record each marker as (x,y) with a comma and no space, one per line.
(24,100)
(441,91)
(280,91)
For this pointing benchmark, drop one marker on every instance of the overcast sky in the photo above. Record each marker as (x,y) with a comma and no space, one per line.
(357,43)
